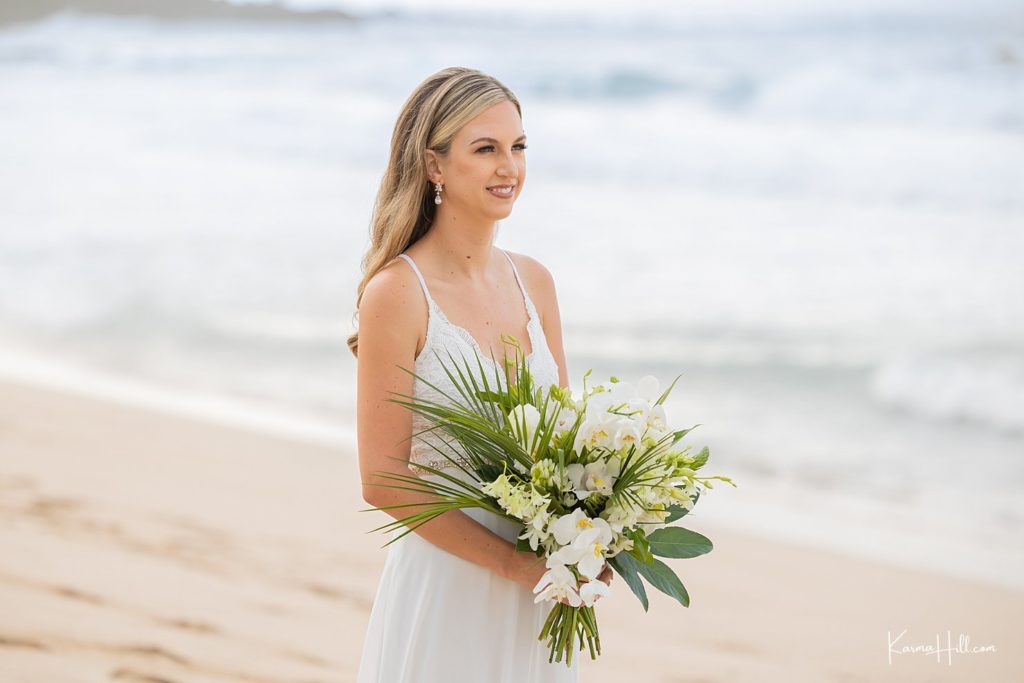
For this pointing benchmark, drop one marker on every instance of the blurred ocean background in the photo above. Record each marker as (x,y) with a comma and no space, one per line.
(815,215)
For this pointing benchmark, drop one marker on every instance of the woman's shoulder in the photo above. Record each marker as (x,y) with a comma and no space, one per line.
(394,296)
(532,271)
(539,283)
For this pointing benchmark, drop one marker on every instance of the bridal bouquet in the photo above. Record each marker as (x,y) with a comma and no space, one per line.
(592,480)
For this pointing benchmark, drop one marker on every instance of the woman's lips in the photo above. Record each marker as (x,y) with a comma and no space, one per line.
(508,193)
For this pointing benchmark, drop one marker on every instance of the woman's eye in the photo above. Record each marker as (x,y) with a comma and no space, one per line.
(521,145)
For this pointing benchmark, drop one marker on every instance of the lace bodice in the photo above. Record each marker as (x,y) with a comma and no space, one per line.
(444,336)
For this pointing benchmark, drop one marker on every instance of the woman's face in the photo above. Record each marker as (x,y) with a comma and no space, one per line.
(488,152)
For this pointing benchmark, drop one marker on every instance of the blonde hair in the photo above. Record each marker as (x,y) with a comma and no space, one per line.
(431,116)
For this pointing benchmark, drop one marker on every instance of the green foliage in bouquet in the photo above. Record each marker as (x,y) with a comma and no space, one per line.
(593,480)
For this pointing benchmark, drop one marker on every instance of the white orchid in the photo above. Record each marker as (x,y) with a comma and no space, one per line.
(595,477)
(628,433)
(587,435)
(621,515)
(618,415)
(619,544)
(567,527)
(565,419)
(592,590)
(499,488)
(586,550)
(536,530)
(656,418)
(648,387)
(557,583)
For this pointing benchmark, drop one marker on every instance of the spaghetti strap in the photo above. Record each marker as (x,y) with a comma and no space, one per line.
(419,275)
(530,308)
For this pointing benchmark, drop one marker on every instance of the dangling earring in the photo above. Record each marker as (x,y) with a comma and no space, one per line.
(437,189)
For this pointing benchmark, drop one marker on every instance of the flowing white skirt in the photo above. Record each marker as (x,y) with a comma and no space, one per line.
(438,618)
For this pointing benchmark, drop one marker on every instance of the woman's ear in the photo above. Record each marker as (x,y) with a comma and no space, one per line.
(433,167)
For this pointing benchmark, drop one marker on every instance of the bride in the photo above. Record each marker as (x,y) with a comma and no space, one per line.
(455,601)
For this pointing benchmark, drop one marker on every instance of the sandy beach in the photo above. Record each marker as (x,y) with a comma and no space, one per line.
(141,546)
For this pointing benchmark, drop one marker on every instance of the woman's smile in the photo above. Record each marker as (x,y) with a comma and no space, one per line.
(503,191)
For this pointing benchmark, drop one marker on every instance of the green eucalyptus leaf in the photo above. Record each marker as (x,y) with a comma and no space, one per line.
(626,566)
(661,576)
(678,542)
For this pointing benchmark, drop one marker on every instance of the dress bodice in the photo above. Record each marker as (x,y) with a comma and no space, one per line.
(444,337)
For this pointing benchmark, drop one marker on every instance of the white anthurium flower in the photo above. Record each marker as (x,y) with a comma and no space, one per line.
(524,420)
(587,550)
(592,590)
(558,582)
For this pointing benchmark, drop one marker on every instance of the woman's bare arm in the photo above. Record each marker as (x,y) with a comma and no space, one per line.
(392,319)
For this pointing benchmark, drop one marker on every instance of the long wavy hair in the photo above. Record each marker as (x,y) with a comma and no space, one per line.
(404,209)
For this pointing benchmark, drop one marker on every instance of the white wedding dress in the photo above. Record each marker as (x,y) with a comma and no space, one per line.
(437,618)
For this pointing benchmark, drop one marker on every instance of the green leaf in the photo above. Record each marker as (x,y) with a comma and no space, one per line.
(523,546)
(678,542)
(678,511)
(626,567)
(641,547)
(700,459)
(664,395)
(677,435)
(675,512)
(661,576)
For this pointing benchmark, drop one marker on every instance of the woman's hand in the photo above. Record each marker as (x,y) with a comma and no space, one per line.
(606,575)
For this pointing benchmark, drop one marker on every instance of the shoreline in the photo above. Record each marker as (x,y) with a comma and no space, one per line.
(875,530)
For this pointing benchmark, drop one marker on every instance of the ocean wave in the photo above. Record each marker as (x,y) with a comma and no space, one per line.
(985,388)
(722,347)
(179,10)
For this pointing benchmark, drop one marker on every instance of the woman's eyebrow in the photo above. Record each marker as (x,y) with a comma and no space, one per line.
(521,137)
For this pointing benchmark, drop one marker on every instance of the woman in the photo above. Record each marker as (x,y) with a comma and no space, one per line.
(455,602)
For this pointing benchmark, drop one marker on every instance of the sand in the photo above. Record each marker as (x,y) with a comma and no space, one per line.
(144,546)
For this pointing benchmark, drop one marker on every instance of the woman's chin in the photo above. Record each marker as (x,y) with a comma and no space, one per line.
(498,213)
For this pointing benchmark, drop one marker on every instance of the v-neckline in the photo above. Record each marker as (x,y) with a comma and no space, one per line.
(531,318)
(476,345)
